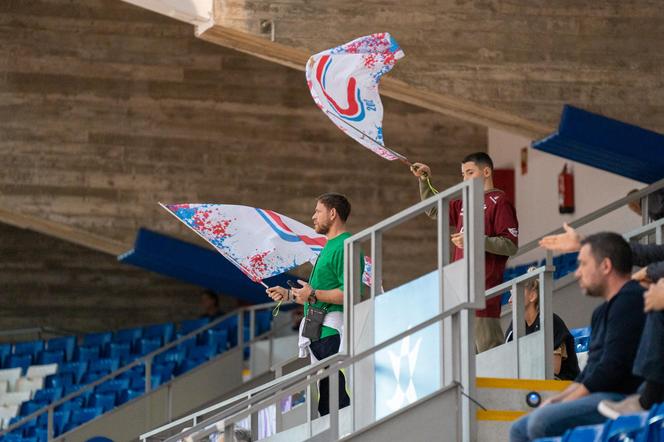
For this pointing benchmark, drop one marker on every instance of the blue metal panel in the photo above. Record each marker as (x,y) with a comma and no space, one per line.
(196,265)
(607,144)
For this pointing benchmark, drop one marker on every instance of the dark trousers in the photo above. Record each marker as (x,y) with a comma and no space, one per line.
(322,349)
(649,362)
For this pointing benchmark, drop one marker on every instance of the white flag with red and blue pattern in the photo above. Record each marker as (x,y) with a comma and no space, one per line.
(261,243)
(344,84)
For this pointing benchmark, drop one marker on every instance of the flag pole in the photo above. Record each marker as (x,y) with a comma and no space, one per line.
(400,157)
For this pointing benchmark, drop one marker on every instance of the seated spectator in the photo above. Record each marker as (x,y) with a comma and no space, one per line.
(210,305)
(655,204)
(605,263)
(649,362)
(565,364)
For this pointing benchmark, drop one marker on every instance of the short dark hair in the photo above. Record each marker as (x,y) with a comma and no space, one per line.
(338,202)
(212,295)
(479,158)
(612,246)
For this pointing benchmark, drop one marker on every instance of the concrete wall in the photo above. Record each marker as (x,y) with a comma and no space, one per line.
(108,108)
(48,282)
(524,57)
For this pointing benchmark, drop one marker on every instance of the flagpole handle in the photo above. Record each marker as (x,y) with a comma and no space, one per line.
(263,284)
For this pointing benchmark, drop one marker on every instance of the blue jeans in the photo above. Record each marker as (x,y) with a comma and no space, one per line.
(649,362)
(554,419)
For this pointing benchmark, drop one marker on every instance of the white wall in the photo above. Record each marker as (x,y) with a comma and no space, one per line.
(537,191)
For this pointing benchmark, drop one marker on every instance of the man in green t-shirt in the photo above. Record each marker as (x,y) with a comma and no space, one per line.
(325,288)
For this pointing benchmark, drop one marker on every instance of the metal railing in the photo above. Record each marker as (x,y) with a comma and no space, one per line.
(38,332)
(194,418)
(544,274)
(456,356)
(147,360)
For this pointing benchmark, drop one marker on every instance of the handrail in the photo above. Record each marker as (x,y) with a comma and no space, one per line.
(147,360)
(314,374)
(244,395)
(37,331)
(532,245)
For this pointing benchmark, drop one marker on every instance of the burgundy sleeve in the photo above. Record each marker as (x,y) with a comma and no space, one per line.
(505,222)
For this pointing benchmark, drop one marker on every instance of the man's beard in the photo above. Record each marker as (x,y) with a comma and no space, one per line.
(594,292)
(322,229)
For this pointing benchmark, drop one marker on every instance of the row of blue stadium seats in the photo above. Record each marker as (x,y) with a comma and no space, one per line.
(564,264)
(642,427)
(63,421)
(126,345)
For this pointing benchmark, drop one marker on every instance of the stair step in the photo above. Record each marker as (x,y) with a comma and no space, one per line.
(510,394)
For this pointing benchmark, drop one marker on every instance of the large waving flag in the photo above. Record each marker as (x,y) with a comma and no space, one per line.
(344,84)
(261,243)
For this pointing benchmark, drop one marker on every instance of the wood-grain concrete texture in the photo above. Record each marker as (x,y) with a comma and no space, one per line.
(106,109)
(525,58)
(46,282)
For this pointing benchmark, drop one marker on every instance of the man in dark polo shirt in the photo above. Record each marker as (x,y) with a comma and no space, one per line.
(605,263)
(501,229)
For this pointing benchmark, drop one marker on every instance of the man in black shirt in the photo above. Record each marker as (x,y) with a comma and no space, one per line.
(565,363)
(605,263)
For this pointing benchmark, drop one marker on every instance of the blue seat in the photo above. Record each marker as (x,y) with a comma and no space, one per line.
(60,420)
(5,351)
(64,343)
(164,370)
(589,433)
(549,439)
(86,353)
(186,345)
(202,352)
(625,428)
(172,355)
(583,331)
(263,321)
(29,407)
(97,339)
(105,401)
(73,404)
(22,361)
(59,380)
(51,357)
(217,339)
(119,350)
(137,384)
(48,395)
(28,348)
(104,364)
(189,325)
(128,395)
(92,376)
(146,346)
(128,335)
(165,332)
(84,415)
(77,369)
(83,396)
(113,386)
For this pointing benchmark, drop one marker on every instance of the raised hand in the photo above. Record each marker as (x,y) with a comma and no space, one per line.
(570,241)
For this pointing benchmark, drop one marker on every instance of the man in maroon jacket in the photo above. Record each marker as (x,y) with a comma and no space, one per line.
(501,229)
